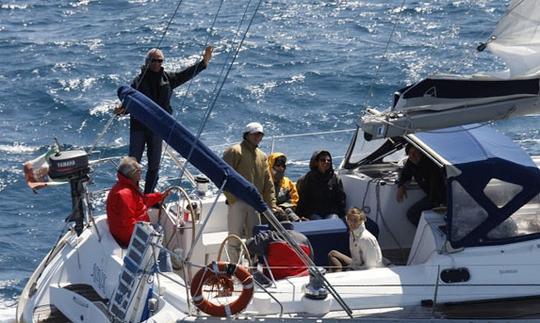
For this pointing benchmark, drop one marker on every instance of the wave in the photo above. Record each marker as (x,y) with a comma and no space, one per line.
(13,6)
(18,148)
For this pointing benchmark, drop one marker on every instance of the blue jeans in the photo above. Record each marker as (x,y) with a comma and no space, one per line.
(138,139)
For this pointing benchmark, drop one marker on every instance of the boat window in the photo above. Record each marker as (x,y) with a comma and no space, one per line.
(501,192)
(466,213)
(364,152)
(524,221)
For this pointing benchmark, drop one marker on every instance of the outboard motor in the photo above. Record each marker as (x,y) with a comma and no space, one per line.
(72,166)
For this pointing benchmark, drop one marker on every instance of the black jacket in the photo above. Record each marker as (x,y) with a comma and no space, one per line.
(159,86)
(319,193)
(428,176)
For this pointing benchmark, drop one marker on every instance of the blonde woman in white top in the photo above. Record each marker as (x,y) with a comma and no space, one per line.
(364,248)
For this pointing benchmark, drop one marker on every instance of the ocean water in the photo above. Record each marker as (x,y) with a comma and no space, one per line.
(304,67)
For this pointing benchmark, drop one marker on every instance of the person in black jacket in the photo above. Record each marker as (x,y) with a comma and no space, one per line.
(320,190)
(158,85)
(430,179)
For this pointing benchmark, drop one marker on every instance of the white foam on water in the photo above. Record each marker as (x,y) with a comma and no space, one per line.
(7,313)
(17,148)
(104,107)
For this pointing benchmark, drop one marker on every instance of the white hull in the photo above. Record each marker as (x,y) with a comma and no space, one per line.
(497,272)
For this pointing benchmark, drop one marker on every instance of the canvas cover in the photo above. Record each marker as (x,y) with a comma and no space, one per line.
(481,155)
(182,140)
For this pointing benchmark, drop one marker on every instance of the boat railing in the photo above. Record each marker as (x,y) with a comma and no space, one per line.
(273,139)
(292,153)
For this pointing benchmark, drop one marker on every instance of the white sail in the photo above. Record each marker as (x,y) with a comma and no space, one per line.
(516,39)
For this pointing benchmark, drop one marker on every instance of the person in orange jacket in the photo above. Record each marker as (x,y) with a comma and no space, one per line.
(285,189)
(126,204)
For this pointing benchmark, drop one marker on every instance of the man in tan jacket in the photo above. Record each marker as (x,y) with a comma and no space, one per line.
(250,162)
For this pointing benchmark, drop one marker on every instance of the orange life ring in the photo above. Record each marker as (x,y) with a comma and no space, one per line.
(221,273)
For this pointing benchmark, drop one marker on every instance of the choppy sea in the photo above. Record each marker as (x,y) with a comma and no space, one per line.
(305,66)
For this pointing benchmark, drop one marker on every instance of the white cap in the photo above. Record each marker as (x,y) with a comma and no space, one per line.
(253,127)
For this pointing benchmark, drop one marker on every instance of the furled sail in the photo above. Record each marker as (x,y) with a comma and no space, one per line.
(516,39)
(182,140)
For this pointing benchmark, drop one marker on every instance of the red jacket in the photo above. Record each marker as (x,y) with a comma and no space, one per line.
(127,205)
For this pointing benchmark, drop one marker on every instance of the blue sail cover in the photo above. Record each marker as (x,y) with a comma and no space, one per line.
(181,139)
(483,154)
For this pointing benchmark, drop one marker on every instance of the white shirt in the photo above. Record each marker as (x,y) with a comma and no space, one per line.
(365,250)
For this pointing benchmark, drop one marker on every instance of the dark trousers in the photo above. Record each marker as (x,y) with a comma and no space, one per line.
(138,139)
(415,211)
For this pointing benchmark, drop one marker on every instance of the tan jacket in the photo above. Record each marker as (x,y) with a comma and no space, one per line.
(250,162)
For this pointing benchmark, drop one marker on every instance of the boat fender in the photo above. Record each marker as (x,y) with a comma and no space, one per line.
(220,274)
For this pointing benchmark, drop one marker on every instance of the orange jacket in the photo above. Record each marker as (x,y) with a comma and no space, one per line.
(127,205)
(286,189)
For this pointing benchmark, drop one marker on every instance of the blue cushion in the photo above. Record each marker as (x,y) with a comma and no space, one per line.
(325,236)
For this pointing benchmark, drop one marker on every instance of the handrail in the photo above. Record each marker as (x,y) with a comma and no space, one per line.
(305,134)
(273,138)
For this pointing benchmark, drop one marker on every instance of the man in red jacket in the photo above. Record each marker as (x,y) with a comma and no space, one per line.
(126,204)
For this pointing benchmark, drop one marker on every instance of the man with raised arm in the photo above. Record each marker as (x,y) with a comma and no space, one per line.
(158,85)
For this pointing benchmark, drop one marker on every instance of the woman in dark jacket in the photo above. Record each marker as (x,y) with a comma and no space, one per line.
(321,191)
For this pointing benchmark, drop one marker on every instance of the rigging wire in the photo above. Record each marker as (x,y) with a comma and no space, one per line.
(146,66)
(218,91)
(470,52)
(182,104)
(377,67)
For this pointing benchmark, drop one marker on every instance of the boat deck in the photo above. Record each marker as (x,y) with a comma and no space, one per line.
(50,314)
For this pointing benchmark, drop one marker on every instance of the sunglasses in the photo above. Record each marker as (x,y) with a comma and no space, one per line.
(325,160)
(156,60)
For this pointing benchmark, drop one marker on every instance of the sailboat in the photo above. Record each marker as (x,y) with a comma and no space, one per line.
(483,246)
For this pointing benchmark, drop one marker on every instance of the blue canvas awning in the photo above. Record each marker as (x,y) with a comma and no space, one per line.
(481,154)
(183,141)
